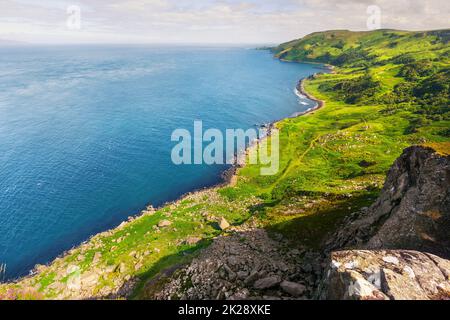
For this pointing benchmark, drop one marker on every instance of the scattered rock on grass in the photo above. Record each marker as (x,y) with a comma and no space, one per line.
(164,223)
(223,224)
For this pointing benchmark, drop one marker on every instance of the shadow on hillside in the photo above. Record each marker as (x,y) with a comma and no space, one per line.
(154,277)
(313,227)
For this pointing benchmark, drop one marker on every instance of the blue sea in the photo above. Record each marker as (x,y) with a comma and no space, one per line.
(85,133)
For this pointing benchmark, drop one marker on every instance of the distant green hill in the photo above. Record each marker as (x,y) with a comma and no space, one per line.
(347,48)
(396,68)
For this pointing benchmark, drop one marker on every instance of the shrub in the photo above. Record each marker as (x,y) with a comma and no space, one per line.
(412,71)
(357,90)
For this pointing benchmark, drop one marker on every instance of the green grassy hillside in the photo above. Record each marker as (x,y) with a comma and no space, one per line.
(390,90)
(347,48)
(407,70)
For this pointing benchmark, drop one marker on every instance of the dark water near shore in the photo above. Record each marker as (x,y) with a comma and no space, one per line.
(85,133)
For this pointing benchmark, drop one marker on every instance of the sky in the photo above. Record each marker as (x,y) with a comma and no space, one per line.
(206,21)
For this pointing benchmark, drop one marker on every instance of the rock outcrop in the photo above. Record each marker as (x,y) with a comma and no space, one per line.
(412,212)
(385,275)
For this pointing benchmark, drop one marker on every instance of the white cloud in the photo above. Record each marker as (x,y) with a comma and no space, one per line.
(139,5)
(245,21)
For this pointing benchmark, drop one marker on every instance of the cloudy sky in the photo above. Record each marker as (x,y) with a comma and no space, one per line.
(204,21)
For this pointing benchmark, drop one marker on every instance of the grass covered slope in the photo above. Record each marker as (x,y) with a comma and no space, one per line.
(406,70)
(389,91)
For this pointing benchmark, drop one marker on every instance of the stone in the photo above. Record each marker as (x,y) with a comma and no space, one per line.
(242,275)
(386,274)
(72,269)
(292,288)
(240,295)
(39,268)
(122,268)
(164,223)
(223,224)
(192,240)
(110,268)
(251,278)
(138,266)
(233,260)
(133,254)
(89,279)
(74,282)
(231,274)
(97,258)
(267,283)
(361,289)
(105,291)
(390,259)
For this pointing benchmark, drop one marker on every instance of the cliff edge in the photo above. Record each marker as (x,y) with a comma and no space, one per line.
(412,212)
(400,245)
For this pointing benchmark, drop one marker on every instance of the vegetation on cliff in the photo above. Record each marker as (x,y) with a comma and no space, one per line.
(389,90)
(399,69)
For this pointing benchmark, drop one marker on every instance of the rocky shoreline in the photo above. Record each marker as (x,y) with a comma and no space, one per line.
(301,90)
(229,176)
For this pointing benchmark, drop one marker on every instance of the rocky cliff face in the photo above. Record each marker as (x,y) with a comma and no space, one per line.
(386,275)
(412,212)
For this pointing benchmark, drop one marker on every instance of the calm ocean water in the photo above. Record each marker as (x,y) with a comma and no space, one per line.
(85,133)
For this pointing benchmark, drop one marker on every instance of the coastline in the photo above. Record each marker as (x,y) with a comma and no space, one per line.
(301,89)
(327,66)
(229,179)
(230,176)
